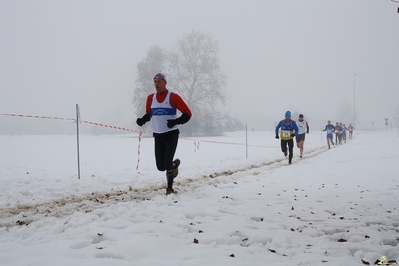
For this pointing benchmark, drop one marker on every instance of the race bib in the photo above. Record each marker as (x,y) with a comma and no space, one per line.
(286,134)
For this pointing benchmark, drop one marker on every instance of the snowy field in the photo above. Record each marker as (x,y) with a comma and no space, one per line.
(332,207)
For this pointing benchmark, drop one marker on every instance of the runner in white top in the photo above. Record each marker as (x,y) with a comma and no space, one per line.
(161,107)
(303,129)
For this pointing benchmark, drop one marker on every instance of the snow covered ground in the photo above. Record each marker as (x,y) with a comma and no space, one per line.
(332,207)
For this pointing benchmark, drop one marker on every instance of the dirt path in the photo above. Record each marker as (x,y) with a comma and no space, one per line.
(25,214)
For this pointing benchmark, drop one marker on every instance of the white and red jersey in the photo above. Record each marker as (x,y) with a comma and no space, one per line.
(164,106)
(302,126)
(161,113)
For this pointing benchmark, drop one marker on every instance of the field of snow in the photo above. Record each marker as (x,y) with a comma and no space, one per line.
(235,205)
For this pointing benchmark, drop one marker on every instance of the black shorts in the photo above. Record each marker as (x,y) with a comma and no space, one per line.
(300,137)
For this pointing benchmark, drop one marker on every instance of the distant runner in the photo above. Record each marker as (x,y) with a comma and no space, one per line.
(350,128)
(330,129)
(344,129)
(338,136)
(303,129)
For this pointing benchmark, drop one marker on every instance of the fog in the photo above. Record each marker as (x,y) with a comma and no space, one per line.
(326,59)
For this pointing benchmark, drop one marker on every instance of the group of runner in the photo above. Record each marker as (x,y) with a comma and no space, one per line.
(287,129)
(340,133)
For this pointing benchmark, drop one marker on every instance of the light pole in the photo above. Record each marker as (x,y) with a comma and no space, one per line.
(354,100)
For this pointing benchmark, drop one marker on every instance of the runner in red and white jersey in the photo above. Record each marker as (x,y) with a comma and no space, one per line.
(161,108)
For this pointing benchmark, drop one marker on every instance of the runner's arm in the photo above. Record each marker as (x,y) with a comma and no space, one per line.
(296,129)
(278,127)
(179,104)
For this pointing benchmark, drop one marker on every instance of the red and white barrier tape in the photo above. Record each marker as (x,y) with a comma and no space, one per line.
(138,153)
(73,119)
(230,143)
(196,142)
(87,122)
(39,116)
(196,146)
(108,126)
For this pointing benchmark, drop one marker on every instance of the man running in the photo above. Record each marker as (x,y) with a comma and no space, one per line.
(350,128)
(344,129)
(288,131)
(303,128)
(338,136)
(161,108)
(330,129)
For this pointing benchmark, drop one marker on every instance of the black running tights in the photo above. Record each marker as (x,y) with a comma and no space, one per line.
(165,148)
(290,147)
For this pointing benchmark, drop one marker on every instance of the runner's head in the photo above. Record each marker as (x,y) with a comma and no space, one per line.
(300,117)
(160,81)
(162,76)
(287,115)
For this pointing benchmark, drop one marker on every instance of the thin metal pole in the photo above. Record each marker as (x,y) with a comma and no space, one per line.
(77,137)
(354,100)
(246,141)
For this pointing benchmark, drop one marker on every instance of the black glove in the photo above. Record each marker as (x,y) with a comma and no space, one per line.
(292,135)
(143,120)
(277,137)
(171,123)
(140,121)
(178,121)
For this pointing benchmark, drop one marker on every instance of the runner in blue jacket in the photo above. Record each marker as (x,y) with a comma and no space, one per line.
(287,133)
(330,130)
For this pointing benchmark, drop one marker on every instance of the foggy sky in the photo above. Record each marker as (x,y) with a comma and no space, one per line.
(298,55)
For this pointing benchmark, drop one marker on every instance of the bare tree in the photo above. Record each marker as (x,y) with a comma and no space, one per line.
(154,62)
(195,74)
